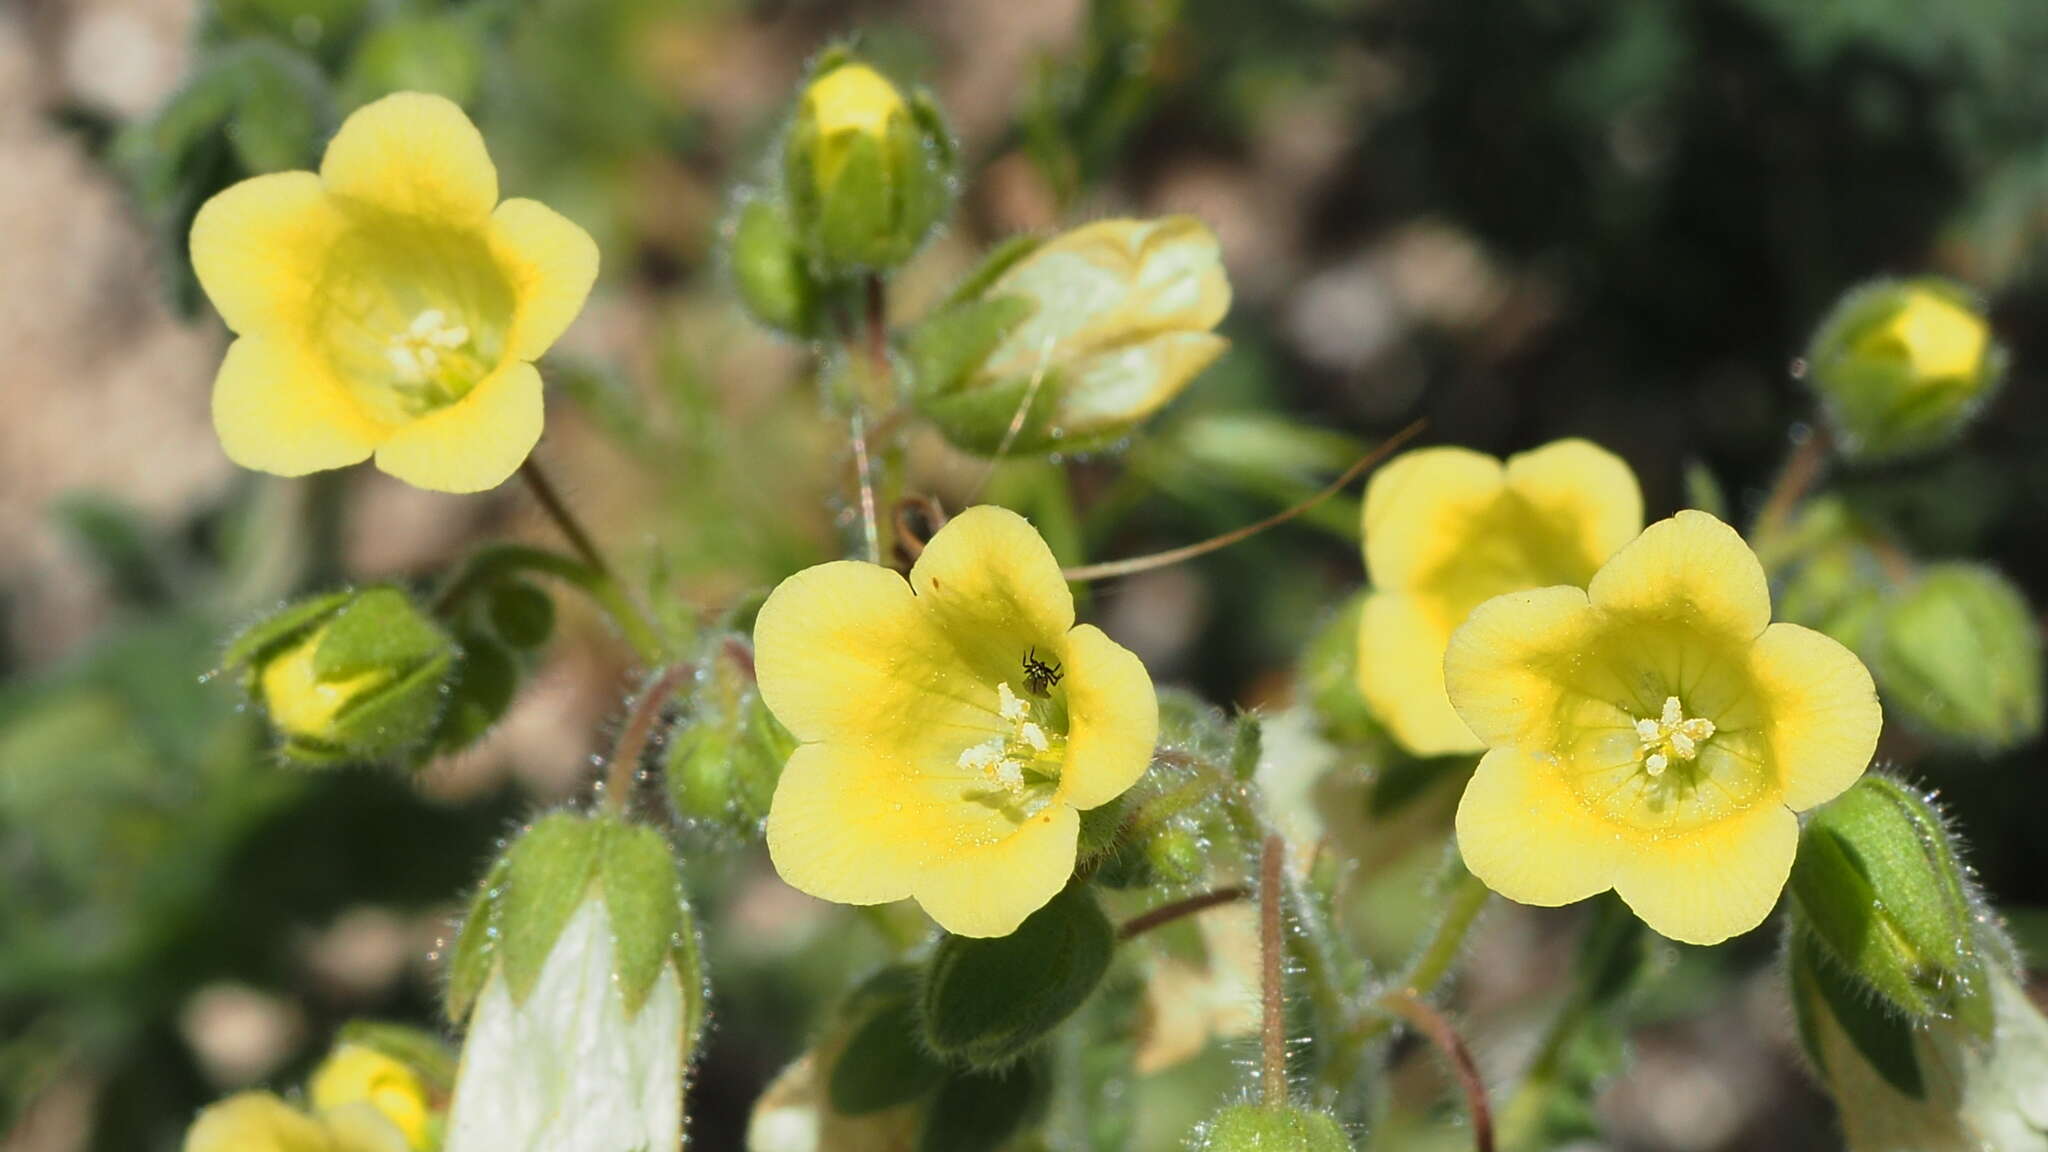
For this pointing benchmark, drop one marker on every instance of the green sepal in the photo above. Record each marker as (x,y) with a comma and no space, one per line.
(1100,827)
(399,714)
(253,646)
(884,1062)
(521,613)
(943,352)
(483,685)
(476,939)
(1006,254)
(981,1111)
(378,630)
(642,895)
(1257,1128)
(987,1001)
(1882,1037)
(769,268)
(726,754)
(548,875)
(1959,656)
(1329,679)
(1881,891)
(1246,742)
(427,1054)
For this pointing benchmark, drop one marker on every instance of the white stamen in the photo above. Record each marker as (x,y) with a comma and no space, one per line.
(1671,735)
(1034,736)
(983,757)
(1655,763)
(1008,704)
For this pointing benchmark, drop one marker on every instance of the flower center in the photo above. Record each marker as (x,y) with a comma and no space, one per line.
(1671,736)
(1021,762)
(433,362)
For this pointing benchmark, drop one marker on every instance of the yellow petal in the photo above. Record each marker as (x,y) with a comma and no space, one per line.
(1401,675)
(1584,495)
(988,889)
(1112,719)
(1691,570)
(474,443)
(1412,504)
(1711,882)
(844,651)
(845,826)
(277,409)
(551,264)
(260,248)
(416,155)
(991,586)
(1525,834)
(255,1122)
(1517,672)
(1822,714)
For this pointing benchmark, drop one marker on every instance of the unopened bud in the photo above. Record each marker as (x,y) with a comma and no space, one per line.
(362,1073)
(1256,1128)
(727,752)
(1074,342)
(1959,655)
(349,677)
(770,268)
(1902,366)
(868,172)
(1879,886)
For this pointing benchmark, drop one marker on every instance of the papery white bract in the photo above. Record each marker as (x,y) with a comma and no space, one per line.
(567,1069)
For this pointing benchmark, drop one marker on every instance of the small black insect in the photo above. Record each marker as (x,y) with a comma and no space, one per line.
(1039,676)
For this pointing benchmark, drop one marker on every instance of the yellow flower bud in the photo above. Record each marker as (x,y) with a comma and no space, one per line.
(299,702)
(865,171)
(357,1073)
(850,101)
(1901,367)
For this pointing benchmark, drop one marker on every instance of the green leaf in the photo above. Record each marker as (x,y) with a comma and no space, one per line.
(1882,1037)
(521,613)
(987,1001)
(885,1062)
(982,1111)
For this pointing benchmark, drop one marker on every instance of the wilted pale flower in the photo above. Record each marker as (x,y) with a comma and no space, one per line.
(389,305)
(951,727)
(1087,335)
(580,962)
(1448,528)
(260,1122)
(1654,733)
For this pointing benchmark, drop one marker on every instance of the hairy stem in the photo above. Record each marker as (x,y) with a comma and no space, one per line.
(1272,994)
(600,580)
(624,764)
(1464,902)
(1180,909)
(1433,1025)
(1801,472)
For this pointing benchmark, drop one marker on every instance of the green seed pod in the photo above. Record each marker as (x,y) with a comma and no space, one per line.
(1256,1128)
(1075,341)
(350,677)
(1902,365)
(987,1001)
(1959,655)
(726,754)
(1879,887)
(770,268)
(868,172)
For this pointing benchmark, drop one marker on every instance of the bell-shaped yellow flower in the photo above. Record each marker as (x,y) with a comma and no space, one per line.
(1447,529)
(260,1122)
(952,726)
(389,305)
(1654,733)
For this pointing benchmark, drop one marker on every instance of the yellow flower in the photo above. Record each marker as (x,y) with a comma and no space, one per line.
(1937,338)
(1447,529)
(389,305)
(952,726)
(357,1073)
(852,100)
(260,1122)
(302,704)
(1654,733)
